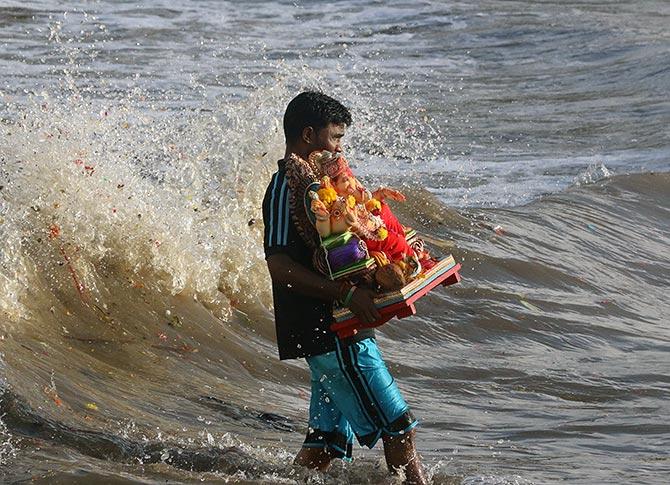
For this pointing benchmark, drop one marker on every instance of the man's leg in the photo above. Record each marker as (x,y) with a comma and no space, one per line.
(400,453)
(314,453)
(368,397)
(330,435)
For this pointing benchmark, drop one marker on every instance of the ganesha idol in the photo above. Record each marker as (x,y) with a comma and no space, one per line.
(342,205)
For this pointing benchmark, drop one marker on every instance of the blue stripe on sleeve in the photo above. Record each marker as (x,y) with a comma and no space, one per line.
(281,214)
(272,212)
(288,218)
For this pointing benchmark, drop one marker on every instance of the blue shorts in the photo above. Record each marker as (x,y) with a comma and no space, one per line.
(353,393)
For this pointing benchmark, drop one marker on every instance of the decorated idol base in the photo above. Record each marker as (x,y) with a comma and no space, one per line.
(400,303)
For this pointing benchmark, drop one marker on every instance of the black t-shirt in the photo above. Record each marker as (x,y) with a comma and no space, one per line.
(302,322)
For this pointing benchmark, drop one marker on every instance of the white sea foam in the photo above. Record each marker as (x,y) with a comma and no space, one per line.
(593,173)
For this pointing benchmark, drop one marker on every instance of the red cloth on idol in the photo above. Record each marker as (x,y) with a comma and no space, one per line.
(395,245)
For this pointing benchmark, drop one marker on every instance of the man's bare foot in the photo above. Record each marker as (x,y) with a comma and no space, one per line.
(315,458)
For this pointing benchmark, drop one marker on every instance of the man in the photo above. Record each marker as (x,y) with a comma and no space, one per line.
(352,390)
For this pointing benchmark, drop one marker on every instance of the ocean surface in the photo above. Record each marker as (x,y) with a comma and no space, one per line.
(137,138)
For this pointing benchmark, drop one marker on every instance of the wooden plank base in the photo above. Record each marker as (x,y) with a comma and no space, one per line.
(401,309)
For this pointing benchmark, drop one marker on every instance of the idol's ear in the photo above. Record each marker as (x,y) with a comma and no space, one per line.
(308,134)
(313,187)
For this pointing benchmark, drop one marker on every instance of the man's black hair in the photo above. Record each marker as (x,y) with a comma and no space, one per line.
(315,109)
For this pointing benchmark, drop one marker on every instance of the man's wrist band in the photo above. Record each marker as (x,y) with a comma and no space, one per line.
(349,296)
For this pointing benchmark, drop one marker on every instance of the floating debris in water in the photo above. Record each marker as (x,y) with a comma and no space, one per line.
(175,322)
(53,395)
(54,231)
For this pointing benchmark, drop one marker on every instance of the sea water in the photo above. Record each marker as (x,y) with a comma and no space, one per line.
(136,327)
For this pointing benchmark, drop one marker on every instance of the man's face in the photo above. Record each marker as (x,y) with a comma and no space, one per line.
(330,138)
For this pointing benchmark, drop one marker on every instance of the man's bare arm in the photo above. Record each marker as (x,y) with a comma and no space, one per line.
(285,271)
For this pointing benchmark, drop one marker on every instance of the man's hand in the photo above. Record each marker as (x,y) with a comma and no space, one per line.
(363,305)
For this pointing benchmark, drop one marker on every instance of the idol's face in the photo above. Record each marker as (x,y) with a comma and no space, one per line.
(344,184)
